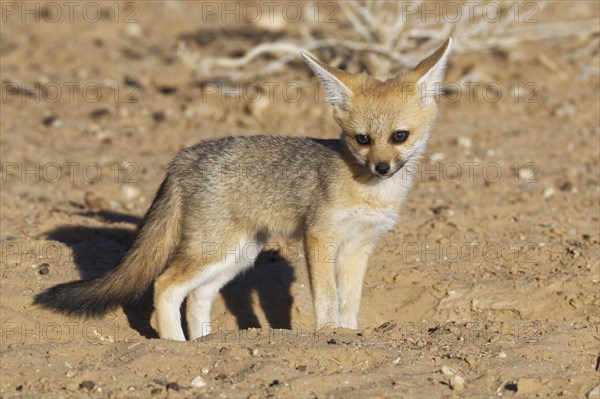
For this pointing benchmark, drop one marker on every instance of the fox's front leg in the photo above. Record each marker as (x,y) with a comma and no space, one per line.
(350,273)
(322,279)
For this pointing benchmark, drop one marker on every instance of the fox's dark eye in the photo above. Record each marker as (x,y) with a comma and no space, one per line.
(363,139)
(400,136)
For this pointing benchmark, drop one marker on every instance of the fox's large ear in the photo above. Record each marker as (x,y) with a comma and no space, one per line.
(334,81)
(430,72)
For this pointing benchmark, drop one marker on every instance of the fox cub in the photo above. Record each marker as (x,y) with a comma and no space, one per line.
(236,193)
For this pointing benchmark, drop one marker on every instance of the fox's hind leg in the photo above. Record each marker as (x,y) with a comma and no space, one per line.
(200,273)
(170,289)
(233,258)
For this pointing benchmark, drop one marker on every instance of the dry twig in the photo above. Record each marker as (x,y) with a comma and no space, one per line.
(383,39)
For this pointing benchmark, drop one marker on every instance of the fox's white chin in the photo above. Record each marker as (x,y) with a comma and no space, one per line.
(383,177)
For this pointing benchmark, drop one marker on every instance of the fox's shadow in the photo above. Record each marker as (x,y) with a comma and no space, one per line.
(96,250)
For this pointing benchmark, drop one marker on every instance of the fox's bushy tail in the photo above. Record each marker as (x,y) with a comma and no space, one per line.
(157,238)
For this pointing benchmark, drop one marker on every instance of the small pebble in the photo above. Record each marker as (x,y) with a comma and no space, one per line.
(99,113)
(51,121)
(155,391)
(526,175)
(133,83)
(167,90)
(437,157)
(465,142)
(549,192)
(172,386)
(448,371)
(44,269)
(275,382)
(95,202)
(564,111)
(104,136)
(130,192)
(566,186)
(332,341)
(457,383)
(502,354)
(439,209)
(198,382)
(158,116)
(133,30)
(87,385)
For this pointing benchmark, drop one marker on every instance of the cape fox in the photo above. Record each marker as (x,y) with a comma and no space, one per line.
(349,199)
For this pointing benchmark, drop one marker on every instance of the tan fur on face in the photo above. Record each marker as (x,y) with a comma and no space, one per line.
(380,109)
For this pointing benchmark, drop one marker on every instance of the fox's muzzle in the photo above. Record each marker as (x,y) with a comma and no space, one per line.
(385,170)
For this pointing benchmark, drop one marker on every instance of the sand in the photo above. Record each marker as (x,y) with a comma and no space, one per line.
(488,286)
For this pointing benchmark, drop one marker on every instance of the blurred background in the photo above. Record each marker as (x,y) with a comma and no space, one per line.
(494,266)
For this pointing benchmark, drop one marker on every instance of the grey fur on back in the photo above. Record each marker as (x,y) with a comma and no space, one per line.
(244,181)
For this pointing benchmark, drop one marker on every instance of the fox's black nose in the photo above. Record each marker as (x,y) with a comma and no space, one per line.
(382,168)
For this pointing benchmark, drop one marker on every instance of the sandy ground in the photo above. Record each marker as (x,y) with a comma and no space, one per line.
(491,276)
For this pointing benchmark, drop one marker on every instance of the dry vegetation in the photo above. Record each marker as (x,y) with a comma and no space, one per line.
(385,37)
